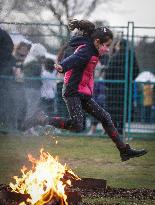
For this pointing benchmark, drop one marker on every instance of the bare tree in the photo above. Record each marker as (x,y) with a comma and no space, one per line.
(64,10)
(60,11)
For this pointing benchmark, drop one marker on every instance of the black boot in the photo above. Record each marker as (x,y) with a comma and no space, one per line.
(127,153)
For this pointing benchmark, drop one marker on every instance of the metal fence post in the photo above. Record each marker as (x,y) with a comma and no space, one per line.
(130,77)
(126,84)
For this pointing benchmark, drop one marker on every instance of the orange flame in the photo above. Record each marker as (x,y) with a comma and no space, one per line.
(43,182)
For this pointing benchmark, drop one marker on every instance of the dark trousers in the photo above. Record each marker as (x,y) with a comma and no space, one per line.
(76,107)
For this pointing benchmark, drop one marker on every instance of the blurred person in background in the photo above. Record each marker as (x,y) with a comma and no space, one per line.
(48,88)
(32,69)
(153,107)
(6,48)
(147,102)
(20,53)
(48,93)
(64,51)
(115,91)
(99,96)
(6,79)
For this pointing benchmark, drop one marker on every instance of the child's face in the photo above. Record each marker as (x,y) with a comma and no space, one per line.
(102,47)
(21,53)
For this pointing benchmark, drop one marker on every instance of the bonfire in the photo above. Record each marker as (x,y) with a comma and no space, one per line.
(46,181)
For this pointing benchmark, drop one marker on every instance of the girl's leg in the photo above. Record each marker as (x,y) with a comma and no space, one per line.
(75,122)
(126,152)
(103,116)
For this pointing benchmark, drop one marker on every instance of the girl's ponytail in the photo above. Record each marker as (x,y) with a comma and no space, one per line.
(85,26)
(73,24)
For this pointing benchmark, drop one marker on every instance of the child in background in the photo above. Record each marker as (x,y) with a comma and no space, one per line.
(147,101)
(98,96)
(48,88)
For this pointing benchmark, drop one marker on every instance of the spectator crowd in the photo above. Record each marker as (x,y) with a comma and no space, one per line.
(29,82)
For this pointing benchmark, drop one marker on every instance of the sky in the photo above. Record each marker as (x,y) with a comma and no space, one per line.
(142,12)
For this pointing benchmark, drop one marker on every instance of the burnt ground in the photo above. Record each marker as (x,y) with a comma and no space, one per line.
(86,188)
(131,194)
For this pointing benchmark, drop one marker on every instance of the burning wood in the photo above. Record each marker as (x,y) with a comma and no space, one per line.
(45,182)
(74,195)
(7,197)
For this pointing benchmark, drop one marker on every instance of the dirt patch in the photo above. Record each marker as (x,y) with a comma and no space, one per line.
(87,188)
(97,188)
(139,194)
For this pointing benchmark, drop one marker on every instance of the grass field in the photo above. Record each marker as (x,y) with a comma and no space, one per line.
(86,156)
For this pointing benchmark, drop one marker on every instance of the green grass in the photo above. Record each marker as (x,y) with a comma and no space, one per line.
(86,156)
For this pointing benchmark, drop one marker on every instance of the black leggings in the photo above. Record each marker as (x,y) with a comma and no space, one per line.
(76,107)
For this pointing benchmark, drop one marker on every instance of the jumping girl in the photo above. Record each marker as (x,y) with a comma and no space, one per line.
(78,71)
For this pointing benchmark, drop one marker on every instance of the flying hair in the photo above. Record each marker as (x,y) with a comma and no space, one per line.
(88,29)
(85,26)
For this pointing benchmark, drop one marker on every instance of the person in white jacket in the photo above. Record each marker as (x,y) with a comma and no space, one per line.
(48,88)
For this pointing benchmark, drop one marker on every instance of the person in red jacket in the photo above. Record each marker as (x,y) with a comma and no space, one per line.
(78,87)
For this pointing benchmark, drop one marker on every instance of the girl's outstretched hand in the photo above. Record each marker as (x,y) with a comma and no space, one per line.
(58,68)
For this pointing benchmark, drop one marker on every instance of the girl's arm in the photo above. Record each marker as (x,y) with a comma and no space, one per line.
(78,59)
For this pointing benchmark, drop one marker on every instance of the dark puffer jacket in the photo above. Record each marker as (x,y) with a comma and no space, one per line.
(79,67)
(6,47)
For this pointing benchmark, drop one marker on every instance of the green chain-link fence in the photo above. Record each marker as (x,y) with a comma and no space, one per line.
(130,101)
(141,107)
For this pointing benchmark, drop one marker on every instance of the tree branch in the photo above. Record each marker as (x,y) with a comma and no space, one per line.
(56,14)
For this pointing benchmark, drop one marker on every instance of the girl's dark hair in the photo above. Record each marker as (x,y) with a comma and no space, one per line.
(85,26)
(88,29)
